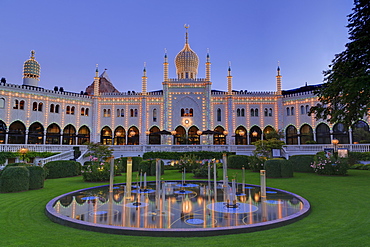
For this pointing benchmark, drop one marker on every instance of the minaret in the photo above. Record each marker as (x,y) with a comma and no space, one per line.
(31,71)
(144,81)
(208,67)
(278,81)
(229,81)
(165,66)
(96,82)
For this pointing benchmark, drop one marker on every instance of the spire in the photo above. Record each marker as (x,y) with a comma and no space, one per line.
(96,81)
(165,66)
(186,33)
(229,80)
(278,80)
(144,81)
(208,67)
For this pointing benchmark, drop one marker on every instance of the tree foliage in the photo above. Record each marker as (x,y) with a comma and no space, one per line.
(98,151)
(264,147)
(345,95)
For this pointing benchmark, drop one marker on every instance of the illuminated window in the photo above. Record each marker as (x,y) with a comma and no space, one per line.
(87,112)
(72,110)
(154,115)
(2,103)
(21,105)
(34,106)
(57,109)
(40,106)
(15,104)
(68,110)
(82,111)
(52,108)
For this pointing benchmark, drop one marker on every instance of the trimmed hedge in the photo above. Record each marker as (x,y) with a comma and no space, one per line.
(202,155)
(122,163)
(16,178)
(148,167)
(37,177)
(238,161)
(63,168)
(277,168)
(302,163)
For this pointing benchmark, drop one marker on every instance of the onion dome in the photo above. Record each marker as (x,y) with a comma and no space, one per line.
(187,61)
(31,68)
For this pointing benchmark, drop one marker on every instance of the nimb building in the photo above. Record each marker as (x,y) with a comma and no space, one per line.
(185,113)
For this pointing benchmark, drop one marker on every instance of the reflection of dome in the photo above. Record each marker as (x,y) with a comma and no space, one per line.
(31,68)
(186,62)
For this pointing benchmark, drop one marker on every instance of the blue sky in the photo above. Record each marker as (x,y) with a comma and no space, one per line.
(71,36)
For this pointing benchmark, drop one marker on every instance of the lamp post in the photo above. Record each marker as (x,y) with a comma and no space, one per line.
(23,152)
(335,144)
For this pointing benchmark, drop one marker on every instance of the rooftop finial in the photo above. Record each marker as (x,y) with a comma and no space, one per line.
(186,34)
(33,54)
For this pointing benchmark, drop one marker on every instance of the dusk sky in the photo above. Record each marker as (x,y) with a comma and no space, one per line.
(71,36)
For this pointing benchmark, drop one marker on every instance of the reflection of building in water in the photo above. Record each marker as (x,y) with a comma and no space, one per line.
(185,107)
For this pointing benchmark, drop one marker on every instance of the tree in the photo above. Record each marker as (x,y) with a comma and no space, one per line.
(345,97)
(264,147)
(98,151)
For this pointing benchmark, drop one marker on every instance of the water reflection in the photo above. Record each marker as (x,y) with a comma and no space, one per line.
(177,207)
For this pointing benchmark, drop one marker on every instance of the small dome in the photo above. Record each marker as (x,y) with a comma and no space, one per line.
(31,68)
(187,62)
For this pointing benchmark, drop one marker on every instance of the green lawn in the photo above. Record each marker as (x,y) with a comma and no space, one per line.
(340,216)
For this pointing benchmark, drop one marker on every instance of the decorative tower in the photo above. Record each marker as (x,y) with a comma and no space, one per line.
(208,67)
(144,81)
(96,82)
(186,61)
(165,66)
(31,71)
(229,81)
(278,81)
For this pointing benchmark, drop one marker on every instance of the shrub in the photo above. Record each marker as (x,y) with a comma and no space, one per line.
(302,163)
(255,163)
(175,155)
(62,168)
(277,168)
(329,166)
(16,178)
(188,162)
(37,177)
(144,167)
(122,163)
(237,161)
(93,171)
(153,167)
(202,170)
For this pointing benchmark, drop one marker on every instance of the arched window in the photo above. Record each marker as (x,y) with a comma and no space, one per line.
(255,134)
(154,137)
(72,110)
(266,112)
(104,112)
(270,112)
(118,113)
(17,133)
(2,103)
(133,136)
(40,106)
(306,133)
(68,110)
(187,112)
(82,111)
(135,114)
(292,111)
(238,112)
(287,111)
(53,134)
(21,105)
(193,136)
(340,132)
(182,112)
(219,115)
(87,112)
(191,112)
(106,136)
(108,113)
(57,109)
(119,136)
(252,112)
(180,136)
(242,112)
(256,112)
(241,136)
(302,109)
(218,137)
(36,134)
(307,108)
(34,106)
(83,136)
(360,132)
(2,132)
(154,115)
(322,134)
(122,112)
(131,112)
(69,135)
(52,108)
(16,102)
(291,135)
